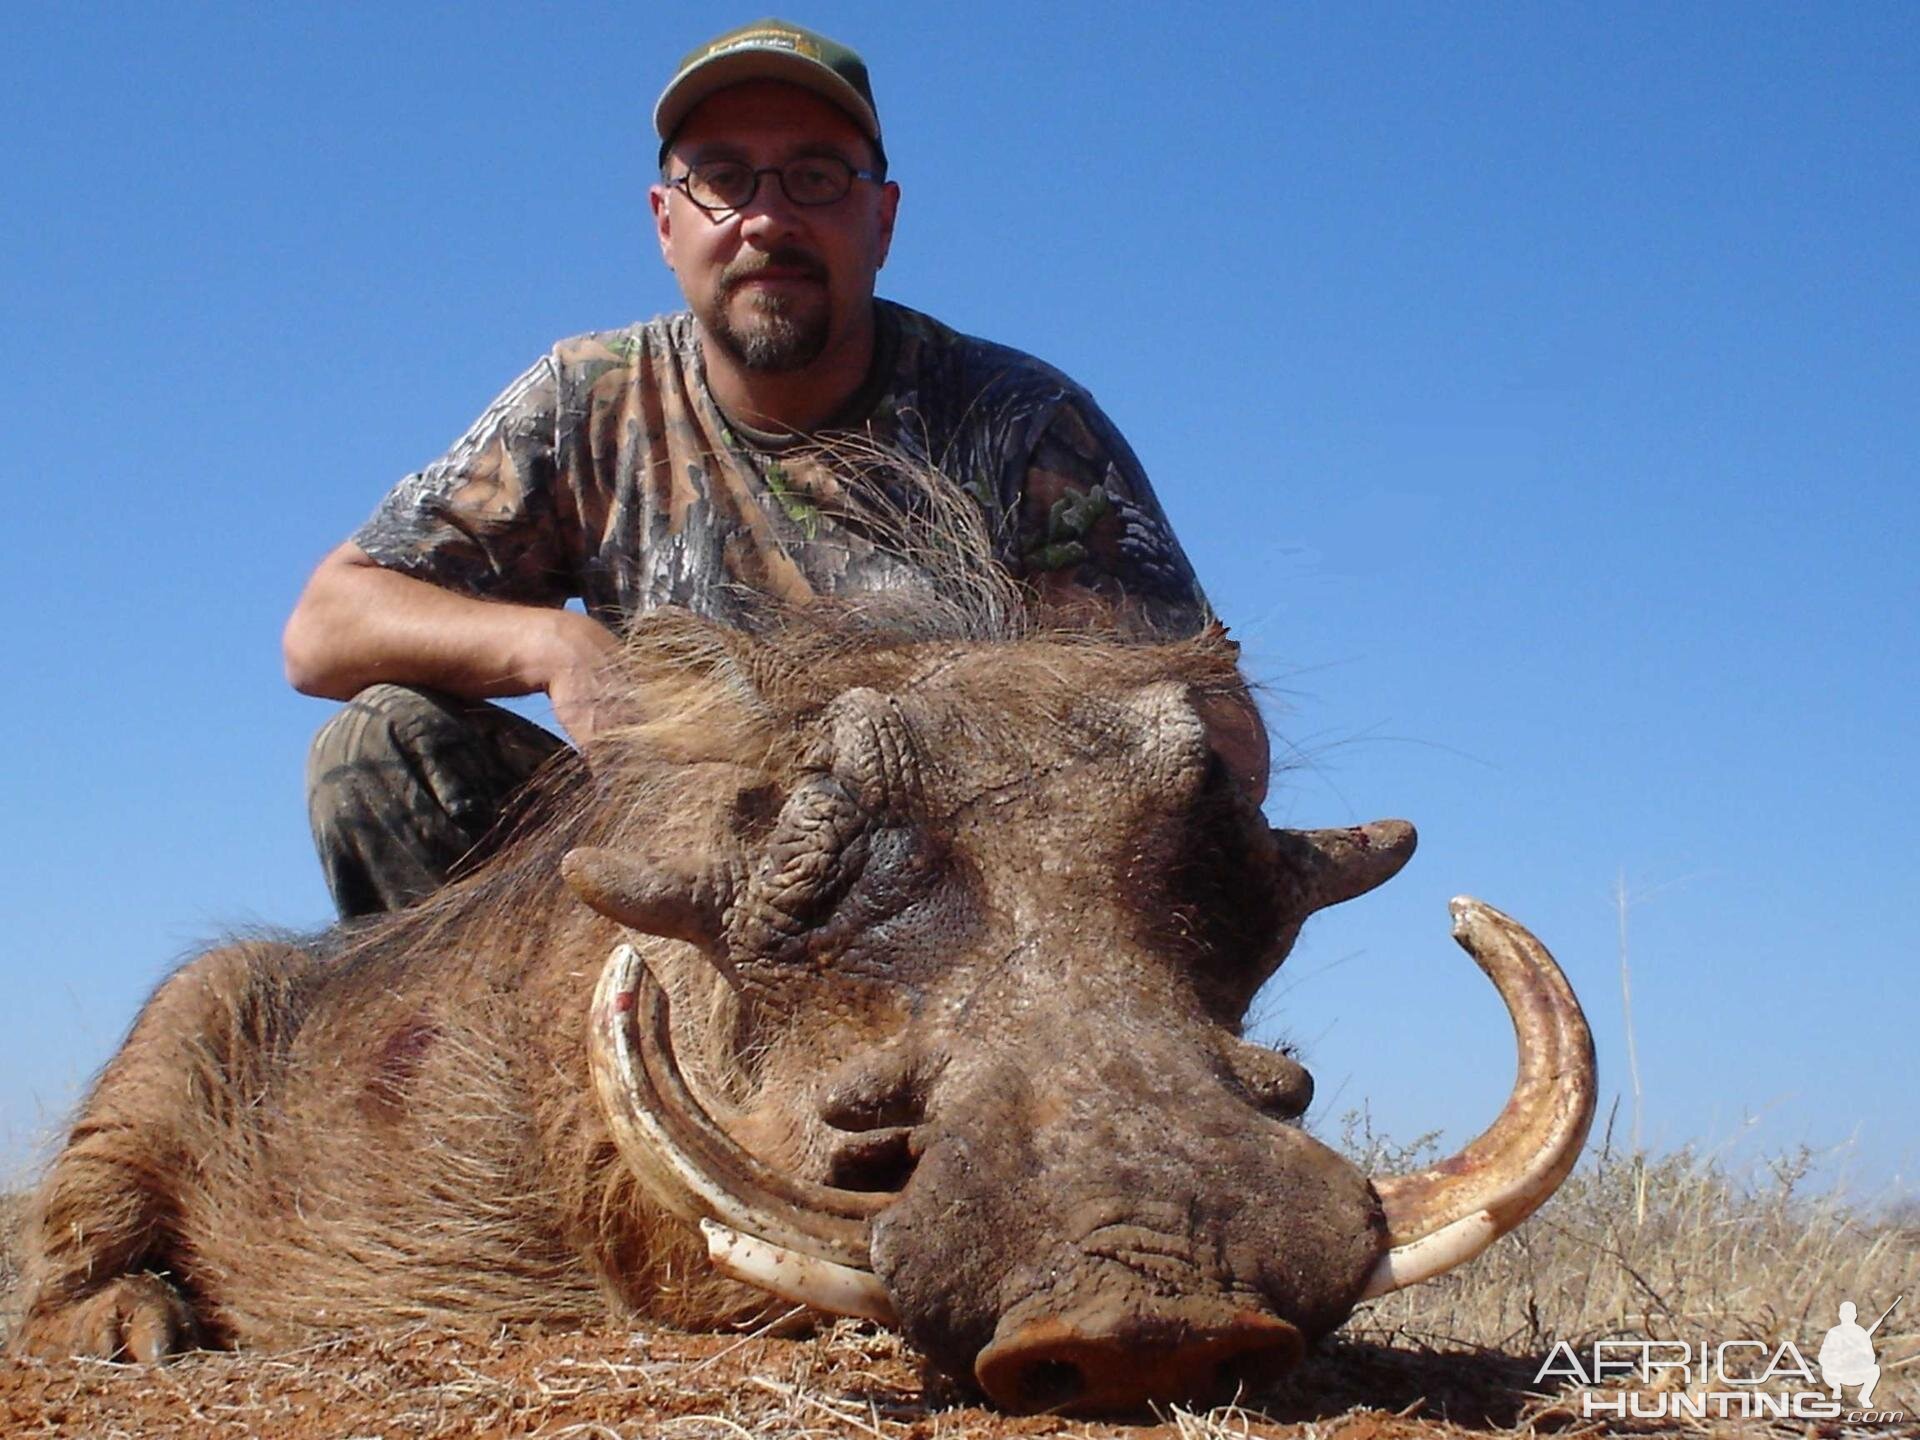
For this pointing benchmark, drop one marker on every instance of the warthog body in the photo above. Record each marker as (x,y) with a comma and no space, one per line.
(941,950)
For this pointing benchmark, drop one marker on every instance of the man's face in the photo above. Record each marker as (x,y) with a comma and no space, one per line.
(776,285)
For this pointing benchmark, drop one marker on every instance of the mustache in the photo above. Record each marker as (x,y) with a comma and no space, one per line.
(791,257)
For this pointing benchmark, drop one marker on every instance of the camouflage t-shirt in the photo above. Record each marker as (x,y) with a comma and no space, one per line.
(608,472)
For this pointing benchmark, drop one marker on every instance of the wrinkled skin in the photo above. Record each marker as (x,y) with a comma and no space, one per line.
(1035,937)
(976,923)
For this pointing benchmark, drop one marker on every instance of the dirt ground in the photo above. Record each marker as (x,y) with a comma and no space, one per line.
(853,1381)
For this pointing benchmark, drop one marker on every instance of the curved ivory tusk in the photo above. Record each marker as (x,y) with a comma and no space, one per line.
(1442,1217)
(837,1289)
(1450,1246)
(687,1162)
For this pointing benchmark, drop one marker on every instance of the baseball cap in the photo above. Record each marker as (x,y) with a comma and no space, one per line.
(769,49)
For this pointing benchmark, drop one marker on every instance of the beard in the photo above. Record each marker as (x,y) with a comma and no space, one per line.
(776,331)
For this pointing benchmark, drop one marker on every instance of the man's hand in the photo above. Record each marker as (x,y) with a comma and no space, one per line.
(576,674)
(357,624)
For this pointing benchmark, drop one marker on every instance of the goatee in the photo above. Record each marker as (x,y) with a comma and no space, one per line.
(781,332)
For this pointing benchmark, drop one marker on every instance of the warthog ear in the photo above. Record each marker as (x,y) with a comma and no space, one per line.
(672,899)
(1319,868)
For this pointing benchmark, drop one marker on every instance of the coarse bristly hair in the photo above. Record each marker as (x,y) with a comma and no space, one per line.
(472,1180)
(694,695)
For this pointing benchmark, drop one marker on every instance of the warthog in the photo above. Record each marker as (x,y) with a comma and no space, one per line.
(929,960)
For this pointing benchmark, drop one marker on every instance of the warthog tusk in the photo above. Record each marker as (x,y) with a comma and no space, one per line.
(1444,1216)
(837,1289)
(1433,1255)
(688,1163)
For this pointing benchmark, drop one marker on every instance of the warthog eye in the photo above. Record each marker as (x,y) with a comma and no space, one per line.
(837,886)
(754,810)
(1203,875)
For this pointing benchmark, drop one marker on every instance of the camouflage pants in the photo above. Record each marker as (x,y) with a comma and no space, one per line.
(407,788)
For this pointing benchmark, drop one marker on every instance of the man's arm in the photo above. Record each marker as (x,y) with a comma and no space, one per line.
(357,624)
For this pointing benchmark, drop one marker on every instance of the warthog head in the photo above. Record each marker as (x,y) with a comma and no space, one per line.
(934,1013)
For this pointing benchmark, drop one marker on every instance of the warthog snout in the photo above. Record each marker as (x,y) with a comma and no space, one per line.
(1100,1360)
(923,964)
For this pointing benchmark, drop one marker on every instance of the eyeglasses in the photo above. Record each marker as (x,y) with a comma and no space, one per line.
(721,187)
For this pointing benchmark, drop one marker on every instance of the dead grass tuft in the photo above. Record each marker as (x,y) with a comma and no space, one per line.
(13,1210)
(1660,1247)
(1672,1247)
(1651,1247)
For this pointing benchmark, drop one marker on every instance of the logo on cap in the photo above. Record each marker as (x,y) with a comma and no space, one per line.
(759,40)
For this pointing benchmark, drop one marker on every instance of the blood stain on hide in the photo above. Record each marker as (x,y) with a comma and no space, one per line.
(400,1060)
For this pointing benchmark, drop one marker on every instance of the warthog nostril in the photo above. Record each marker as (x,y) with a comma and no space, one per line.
(880,1161)
(1121,1360)
(1050,1384)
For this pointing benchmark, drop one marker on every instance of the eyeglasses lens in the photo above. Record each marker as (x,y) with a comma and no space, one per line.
(730,185)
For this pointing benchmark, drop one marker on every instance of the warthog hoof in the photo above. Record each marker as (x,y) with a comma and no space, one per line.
(137,1317)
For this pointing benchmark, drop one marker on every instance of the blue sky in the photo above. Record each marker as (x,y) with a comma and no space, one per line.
(1533,387)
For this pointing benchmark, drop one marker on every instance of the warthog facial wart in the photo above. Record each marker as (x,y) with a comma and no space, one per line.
(896,972)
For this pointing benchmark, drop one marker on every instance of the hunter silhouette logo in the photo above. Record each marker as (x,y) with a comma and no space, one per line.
(1728,1378)
(1846,1355)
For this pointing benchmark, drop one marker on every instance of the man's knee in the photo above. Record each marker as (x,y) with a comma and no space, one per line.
(404,784)
(409,749)
(406,746)
(381,723)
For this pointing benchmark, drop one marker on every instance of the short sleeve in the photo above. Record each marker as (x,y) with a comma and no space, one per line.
(481,519)
(1091,527)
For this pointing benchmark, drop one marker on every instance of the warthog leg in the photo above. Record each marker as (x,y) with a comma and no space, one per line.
(136,1317)
(105,1267)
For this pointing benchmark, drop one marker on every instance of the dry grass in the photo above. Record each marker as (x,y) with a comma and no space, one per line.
(1633,1246)
(1674,1247)
(12,1211)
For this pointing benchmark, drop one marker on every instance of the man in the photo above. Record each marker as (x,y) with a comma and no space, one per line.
(688,461)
